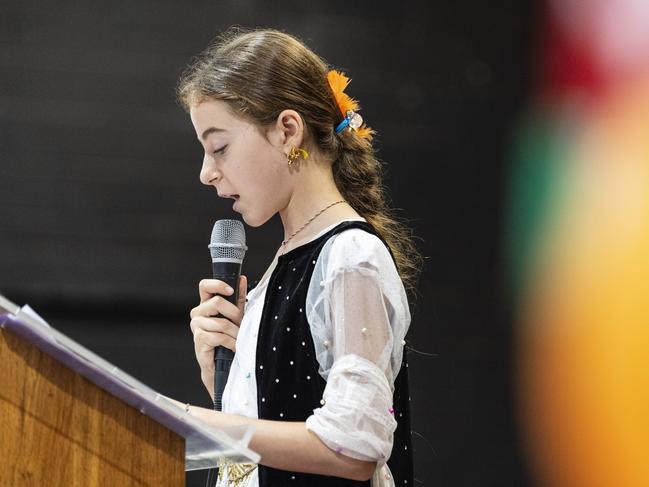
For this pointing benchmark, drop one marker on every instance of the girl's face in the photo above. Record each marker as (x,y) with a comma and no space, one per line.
(241,163)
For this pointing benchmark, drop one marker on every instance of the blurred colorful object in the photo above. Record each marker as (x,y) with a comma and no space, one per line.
(579,249)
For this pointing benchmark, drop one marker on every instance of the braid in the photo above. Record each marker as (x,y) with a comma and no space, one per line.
(358,174)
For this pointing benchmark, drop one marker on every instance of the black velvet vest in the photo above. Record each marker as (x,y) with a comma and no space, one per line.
(289,387)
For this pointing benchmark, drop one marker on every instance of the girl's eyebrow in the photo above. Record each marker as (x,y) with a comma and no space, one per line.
(211,130)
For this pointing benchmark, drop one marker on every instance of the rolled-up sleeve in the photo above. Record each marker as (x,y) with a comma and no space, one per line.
(356,418)
(362,342)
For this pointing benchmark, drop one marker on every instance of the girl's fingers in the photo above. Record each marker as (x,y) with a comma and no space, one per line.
(205,342)
(207,288)
(213,325)
(243,291)
(218,306)
(215,322)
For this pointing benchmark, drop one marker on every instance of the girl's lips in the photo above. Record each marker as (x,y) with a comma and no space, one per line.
(234,197)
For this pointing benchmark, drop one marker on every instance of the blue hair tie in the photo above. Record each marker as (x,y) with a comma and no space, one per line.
(352,119)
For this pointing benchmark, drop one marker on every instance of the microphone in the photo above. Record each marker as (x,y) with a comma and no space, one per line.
(227,248)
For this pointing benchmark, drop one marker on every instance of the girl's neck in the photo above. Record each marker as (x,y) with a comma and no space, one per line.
(314,191)
(312,209)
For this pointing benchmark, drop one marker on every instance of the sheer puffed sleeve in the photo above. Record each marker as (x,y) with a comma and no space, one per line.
(358,313)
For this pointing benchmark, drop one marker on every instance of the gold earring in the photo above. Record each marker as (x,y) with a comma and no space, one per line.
(295,153)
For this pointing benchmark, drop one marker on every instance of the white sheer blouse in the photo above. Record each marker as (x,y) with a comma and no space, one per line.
(358,312)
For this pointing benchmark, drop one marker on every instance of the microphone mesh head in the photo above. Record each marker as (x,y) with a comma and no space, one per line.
(228,242)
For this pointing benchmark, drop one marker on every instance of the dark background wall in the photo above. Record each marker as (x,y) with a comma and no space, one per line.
(104,225)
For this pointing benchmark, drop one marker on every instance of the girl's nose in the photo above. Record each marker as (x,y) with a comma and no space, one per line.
(209,174)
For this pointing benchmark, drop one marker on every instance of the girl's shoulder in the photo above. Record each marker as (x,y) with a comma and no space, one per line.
(356,248)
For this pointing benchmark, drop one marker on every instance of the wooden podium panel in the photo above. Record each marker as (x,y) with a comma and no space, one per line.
(59,429)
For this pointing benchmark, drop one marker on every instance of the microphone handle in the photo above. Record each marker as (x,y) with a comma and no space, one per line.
(228,272)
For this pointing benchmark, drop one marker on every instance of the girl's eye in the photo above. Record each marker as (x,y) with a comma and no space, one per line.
(221,150)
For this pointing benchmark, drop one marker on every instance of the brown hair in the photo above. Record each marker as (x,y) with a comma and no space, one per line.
(259,73)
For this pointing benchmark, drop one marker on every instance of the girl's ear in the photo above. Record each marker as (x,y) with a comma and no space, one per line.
(290,129)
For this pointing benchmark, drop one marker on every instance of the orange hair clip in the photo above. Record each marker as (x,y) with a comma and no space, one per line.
(347,105)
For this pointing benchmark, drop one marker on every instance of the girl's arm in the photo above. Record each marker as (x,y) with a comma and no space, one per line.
(289,446)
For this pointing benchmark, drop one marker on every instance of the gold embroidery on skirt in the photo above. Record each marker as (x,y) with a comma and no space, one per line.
(238,473)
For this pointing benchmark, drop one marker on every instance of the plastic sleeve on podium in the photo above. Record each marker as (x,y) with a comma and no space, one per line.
(205,446)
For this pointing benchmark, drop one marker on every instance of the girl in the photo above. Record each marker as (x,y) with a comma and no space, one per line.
(319,342)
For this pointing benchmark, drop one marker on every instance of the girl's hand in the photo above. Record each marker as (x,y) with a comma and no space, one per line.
(215,322)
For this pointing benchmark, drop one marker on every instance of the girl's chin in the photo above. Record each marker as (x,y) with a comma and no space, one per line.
(254,220)
(250,220)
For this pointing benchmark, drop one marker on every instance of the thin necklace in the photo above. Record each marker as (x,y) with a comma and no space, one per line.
(310,220)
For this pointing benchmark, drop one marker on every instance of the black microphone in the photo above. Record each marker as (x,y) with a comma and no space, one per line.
(227,248)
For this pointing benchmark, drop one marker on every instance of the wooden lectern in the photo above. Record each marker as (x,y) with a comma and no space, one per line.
(58,427)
